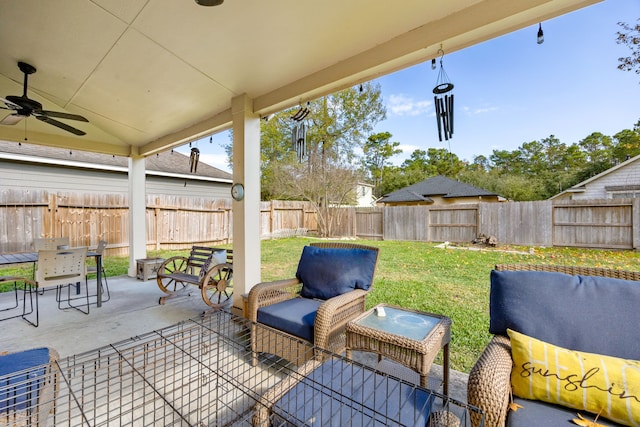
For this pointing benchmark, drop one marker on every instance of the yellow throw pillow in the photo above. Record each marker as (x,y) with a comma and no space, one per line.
(584,381)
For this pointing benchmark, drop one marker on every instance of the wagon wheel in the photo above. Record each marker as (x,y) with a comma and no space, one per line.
(176,264)
(217,287)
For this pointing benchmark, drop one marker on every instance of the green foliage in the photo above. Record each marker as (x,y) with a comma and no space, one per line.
(538,170)
(631,38)
(377,152)
(420,166)
(338,126)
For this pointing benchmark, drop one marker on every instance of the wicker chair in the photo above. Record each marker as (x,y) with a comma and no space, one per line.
(489,385)
(330,319)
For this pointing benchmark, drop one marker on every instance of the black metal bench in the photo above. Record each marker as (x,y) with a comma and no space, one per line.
(209,269)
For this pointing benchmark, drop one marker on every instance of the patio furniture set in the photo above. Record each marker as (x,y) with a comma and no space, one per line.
(56,265)
(289,360)
(226,370)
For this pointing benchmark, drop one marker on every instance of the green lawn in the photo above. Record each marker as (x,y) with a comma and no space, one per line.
(419,275)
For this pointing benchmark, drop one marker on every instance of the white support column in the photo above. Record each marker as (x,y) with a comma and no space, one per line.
(137,210)
(246,213)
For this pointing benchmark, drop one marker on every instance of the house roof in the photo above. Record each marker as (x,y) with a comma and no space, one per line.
(170,163)
(581,187)
(440,186)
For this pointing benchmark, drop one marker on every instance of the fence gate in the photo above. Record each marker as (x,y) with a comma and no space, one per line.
(453,224)
(594,224)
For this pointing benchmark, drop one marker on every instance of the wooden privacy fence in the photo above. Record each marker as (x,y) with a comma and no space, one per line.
(178,222)
(606,223)
(172,222)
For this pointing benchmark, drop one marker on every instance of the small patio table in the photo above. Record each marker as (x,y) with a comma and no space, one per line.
(32,257)
(410,337)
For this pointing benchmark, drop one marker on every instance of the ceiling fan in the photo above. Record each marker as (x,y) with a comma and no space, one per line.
(25,107)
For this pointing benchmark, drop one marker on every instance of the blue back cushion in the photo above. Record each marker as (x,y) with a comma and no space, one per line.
(338,393)
(21,376)
(584,313)
(294,316)
(328,272)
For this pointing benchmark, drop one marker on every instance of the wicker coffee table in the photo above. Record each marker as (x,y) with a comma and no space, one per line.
(409,337)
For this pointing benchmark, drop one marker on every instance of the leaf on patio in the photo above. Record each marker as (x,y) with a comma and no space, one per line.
(513,406)
(582,421)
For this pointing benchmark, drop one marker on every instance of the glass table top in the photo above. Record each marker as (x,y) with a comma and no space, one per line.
(400,322)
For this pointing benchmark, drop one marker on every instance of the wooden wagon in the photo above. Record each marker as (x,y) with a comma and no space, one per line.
(210,269)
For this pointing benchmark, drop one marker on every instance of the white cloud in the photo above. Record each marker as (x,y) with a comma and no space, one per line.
(402,105)
(484,110)
(408,148)
(477,111)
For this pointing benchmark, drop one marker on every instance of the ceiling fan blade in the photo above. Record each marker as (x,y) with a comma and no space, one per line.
(12,119)
(61,125)
(60,115)
(10,105)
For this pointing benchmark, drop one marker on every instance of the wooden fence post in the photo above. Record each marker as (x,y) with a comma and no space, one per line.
(635,219)
(156,215)
(272,224)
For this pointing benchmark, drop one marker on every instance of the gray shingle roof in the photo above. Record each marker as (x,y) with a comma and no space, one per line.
(168,162)
(435,186)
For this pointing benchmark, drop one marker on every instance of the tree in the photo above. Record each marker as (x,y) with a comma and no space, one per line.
(337,126)
(377,152)
(420,166)
(626,143)
(443,162)
(631,38)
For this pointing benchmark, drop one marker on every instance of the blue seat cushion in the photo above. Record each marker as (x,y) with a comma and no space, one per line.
(329,272)
(21,377)
(535,413)
(338,393)
(574,312)
(294,316)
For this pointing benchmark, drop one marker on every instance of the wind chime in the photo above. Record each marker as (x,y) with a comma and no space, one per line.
(299,132)
(194,158)
(443,101)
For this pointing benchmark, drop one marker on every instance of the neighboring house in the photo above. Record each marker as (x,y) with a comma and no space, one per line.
(28,166)
(364,195)
(621,181)
(439,190)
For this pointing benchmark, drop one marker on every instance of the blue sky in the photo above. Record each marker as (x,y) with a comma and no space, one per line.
(511,90)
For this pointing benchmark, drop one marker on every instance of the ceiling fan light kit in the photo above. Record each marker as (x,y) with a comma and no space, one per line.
(209,2)
(23,107)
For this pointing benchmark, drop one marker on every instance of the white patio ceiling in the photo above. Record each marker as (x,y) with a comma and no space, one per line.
(156,73)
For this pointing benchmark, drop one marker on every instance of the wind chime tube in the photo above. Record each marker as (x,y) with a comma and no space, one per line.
(447,103)
(194,159)
(451,114)
(435,101)
(443,117)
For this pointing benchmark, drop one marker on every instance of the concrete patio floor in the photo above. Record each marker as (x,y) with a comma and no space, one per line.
(132,310)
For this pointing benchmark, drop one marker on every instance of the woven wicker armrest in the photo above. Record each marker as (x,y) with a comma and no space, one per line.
(333,315)
(267,293)
(489,385)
